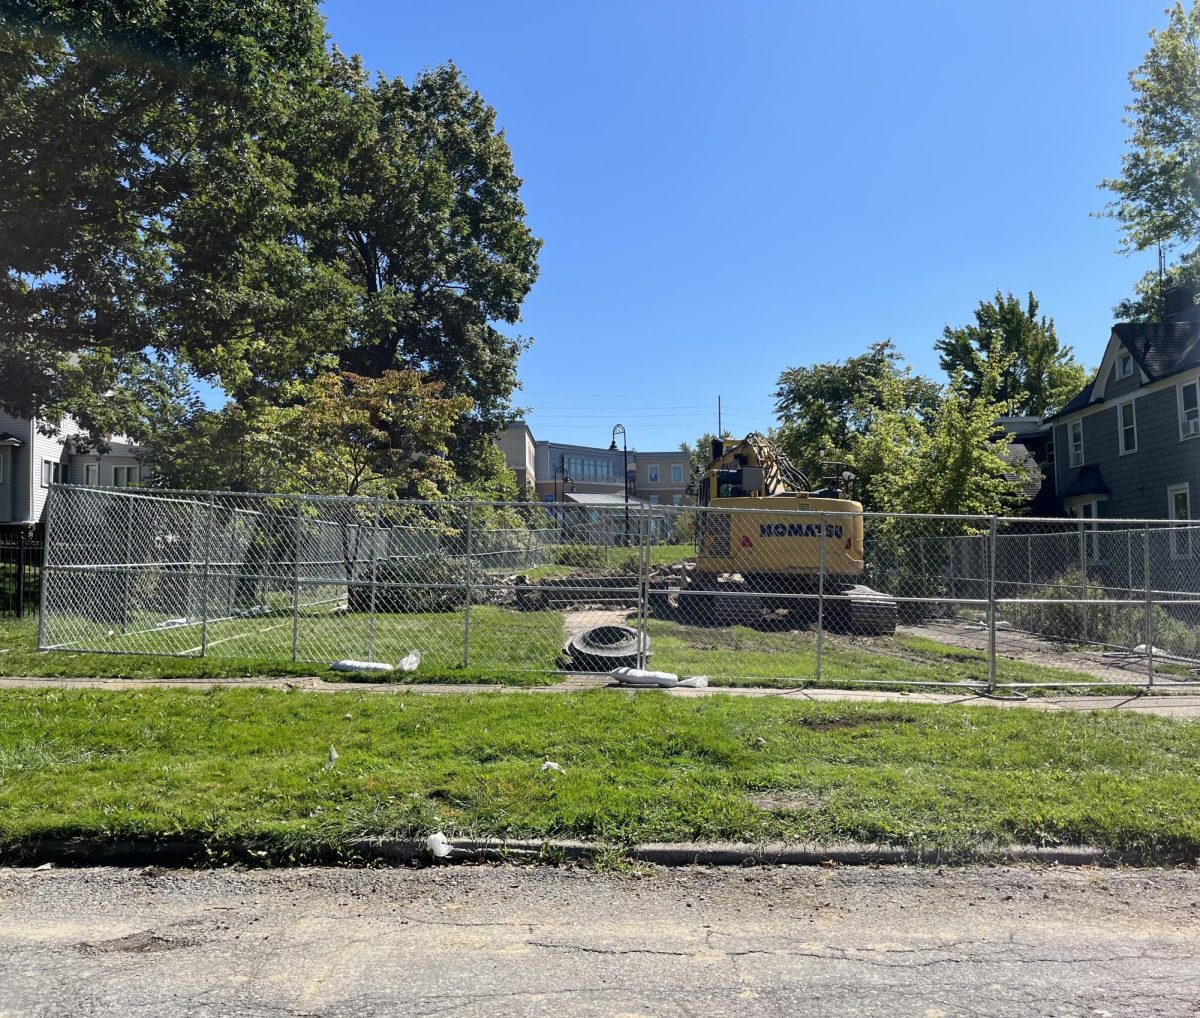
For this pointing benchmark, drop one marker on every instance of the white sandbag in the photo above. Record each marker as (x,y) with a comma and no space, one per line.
(360,666)
(695,682)
(643,677)
(410,662)
(438,845)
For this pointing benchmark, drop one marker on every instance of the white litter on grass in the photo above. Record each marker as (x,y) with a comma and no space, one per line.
(438,845)
(550,765)
(360,666)
(331,758)
(643,677)
(410,663)
(1140,650)
(695,682)
(172,623)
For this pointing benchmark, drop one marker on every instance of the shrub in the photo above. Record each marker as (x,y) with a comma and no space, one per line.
(580,556)
(432,583)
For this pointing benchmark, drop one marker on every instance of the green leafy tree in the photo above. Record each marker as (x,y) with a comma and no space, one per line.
(823,408)
(1157,195)
(951,461)
(146,201)
(427,231)
(1016,350)
(700,453)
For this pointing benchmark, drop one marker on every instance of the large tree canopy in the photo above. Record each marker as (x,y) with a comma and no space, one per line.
(145,197)
(823,407)
(1157,195)
(1015,350)
(204,185)
(427,231)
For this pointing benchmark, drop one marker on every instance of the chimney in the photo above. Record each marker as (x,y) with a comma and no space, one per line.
(1178,298)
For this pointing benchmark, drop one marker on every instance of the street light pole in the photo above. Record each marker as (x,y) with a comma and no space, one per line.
(560,471)
(624,470)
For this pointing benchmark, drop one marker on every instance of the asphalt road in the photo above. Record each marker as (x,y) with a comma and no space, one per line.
(464,941)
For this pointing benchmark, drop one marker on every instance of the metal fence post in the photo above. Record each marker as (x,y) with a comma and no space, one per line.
(821,597)
(208,529)
(1129,584)
(1083,573)
(126,565)
(1149,609)
(374,579)
(953,582)
(20,574)
(43,579)
(643,638)
(992,607)
(296,580)
(470,592)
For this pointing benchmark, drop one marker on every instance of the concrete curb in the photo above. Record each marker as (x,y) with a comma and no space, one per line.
(398,851)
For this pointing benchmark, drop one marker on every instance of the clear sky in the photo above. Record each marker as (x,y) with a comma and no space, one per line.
(729,189)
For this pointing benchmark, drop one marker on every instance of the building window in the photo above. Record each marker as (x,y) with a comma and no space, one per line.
(1179,507)
(676,500)
(1127,427)
(652,474)
(53,473)
(124,477)
(654,500)
(91,474)
(676,473)
(1125,366)
(1189,409)
(1077,443)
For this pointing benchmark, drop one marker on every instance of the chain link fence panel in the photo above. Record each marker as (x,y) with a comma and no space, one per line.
(739,594)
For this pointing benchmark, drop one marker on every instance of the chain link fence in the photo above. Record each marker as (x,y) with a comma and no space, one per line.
(742,595)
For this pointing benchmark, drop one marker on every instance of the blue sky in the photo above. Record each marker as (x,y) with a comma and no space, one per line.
(726,190)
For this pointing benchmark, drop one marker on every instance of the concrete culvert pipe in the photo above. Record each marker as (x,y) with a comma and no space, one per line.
(603,648)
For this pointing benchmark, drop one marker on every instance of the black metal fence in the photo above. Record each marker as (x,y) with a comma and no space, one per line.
(21,555)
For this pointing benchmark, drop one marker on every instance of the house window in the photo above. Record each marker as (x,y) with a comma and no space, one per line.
(53,473)
(1127,427)
(1077,443)
(91,474)
(1125,366)
(1179,507)
(676,500)
(1189,409)
(124,477)
(652,474)
(654,500)
(676,473)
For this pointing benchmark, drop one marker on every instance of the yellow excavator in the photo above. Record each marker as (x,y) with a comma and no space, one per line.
(749,560)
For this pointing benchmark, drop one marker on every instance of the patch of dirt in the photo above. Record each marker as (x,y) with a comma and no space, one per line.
(857,721)
(136,943)
(774,802)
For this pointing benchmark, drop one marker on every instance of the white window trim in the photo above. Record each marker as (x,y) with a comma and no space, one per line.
(657,471)
(130,473)
(52,467)
(1193,383)
(1172,491)
(1072,461)
(1132,404)
(1092,538)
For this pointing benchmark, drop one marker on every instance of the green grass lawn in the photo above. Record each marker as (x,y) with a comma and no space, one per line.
(736,655)
(507,646)
(233,764)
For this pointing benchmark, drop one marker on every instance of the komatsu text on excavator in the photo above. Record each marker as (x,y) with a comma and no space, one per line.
(765,534)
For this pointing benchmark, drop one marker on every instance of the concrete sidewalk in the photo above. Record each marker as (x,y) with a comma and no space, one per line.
(1176,706)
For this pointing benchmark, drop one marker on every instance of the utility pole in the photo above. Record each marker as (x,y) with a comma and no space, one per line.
(720,433)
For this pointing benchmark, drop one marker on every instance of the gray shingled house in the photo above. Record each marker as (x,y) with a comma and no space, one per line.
(1128,445)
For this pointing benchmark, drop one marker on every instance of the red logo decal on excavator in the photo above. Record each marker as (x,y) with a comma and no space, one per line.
(746,542)
(847,544)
